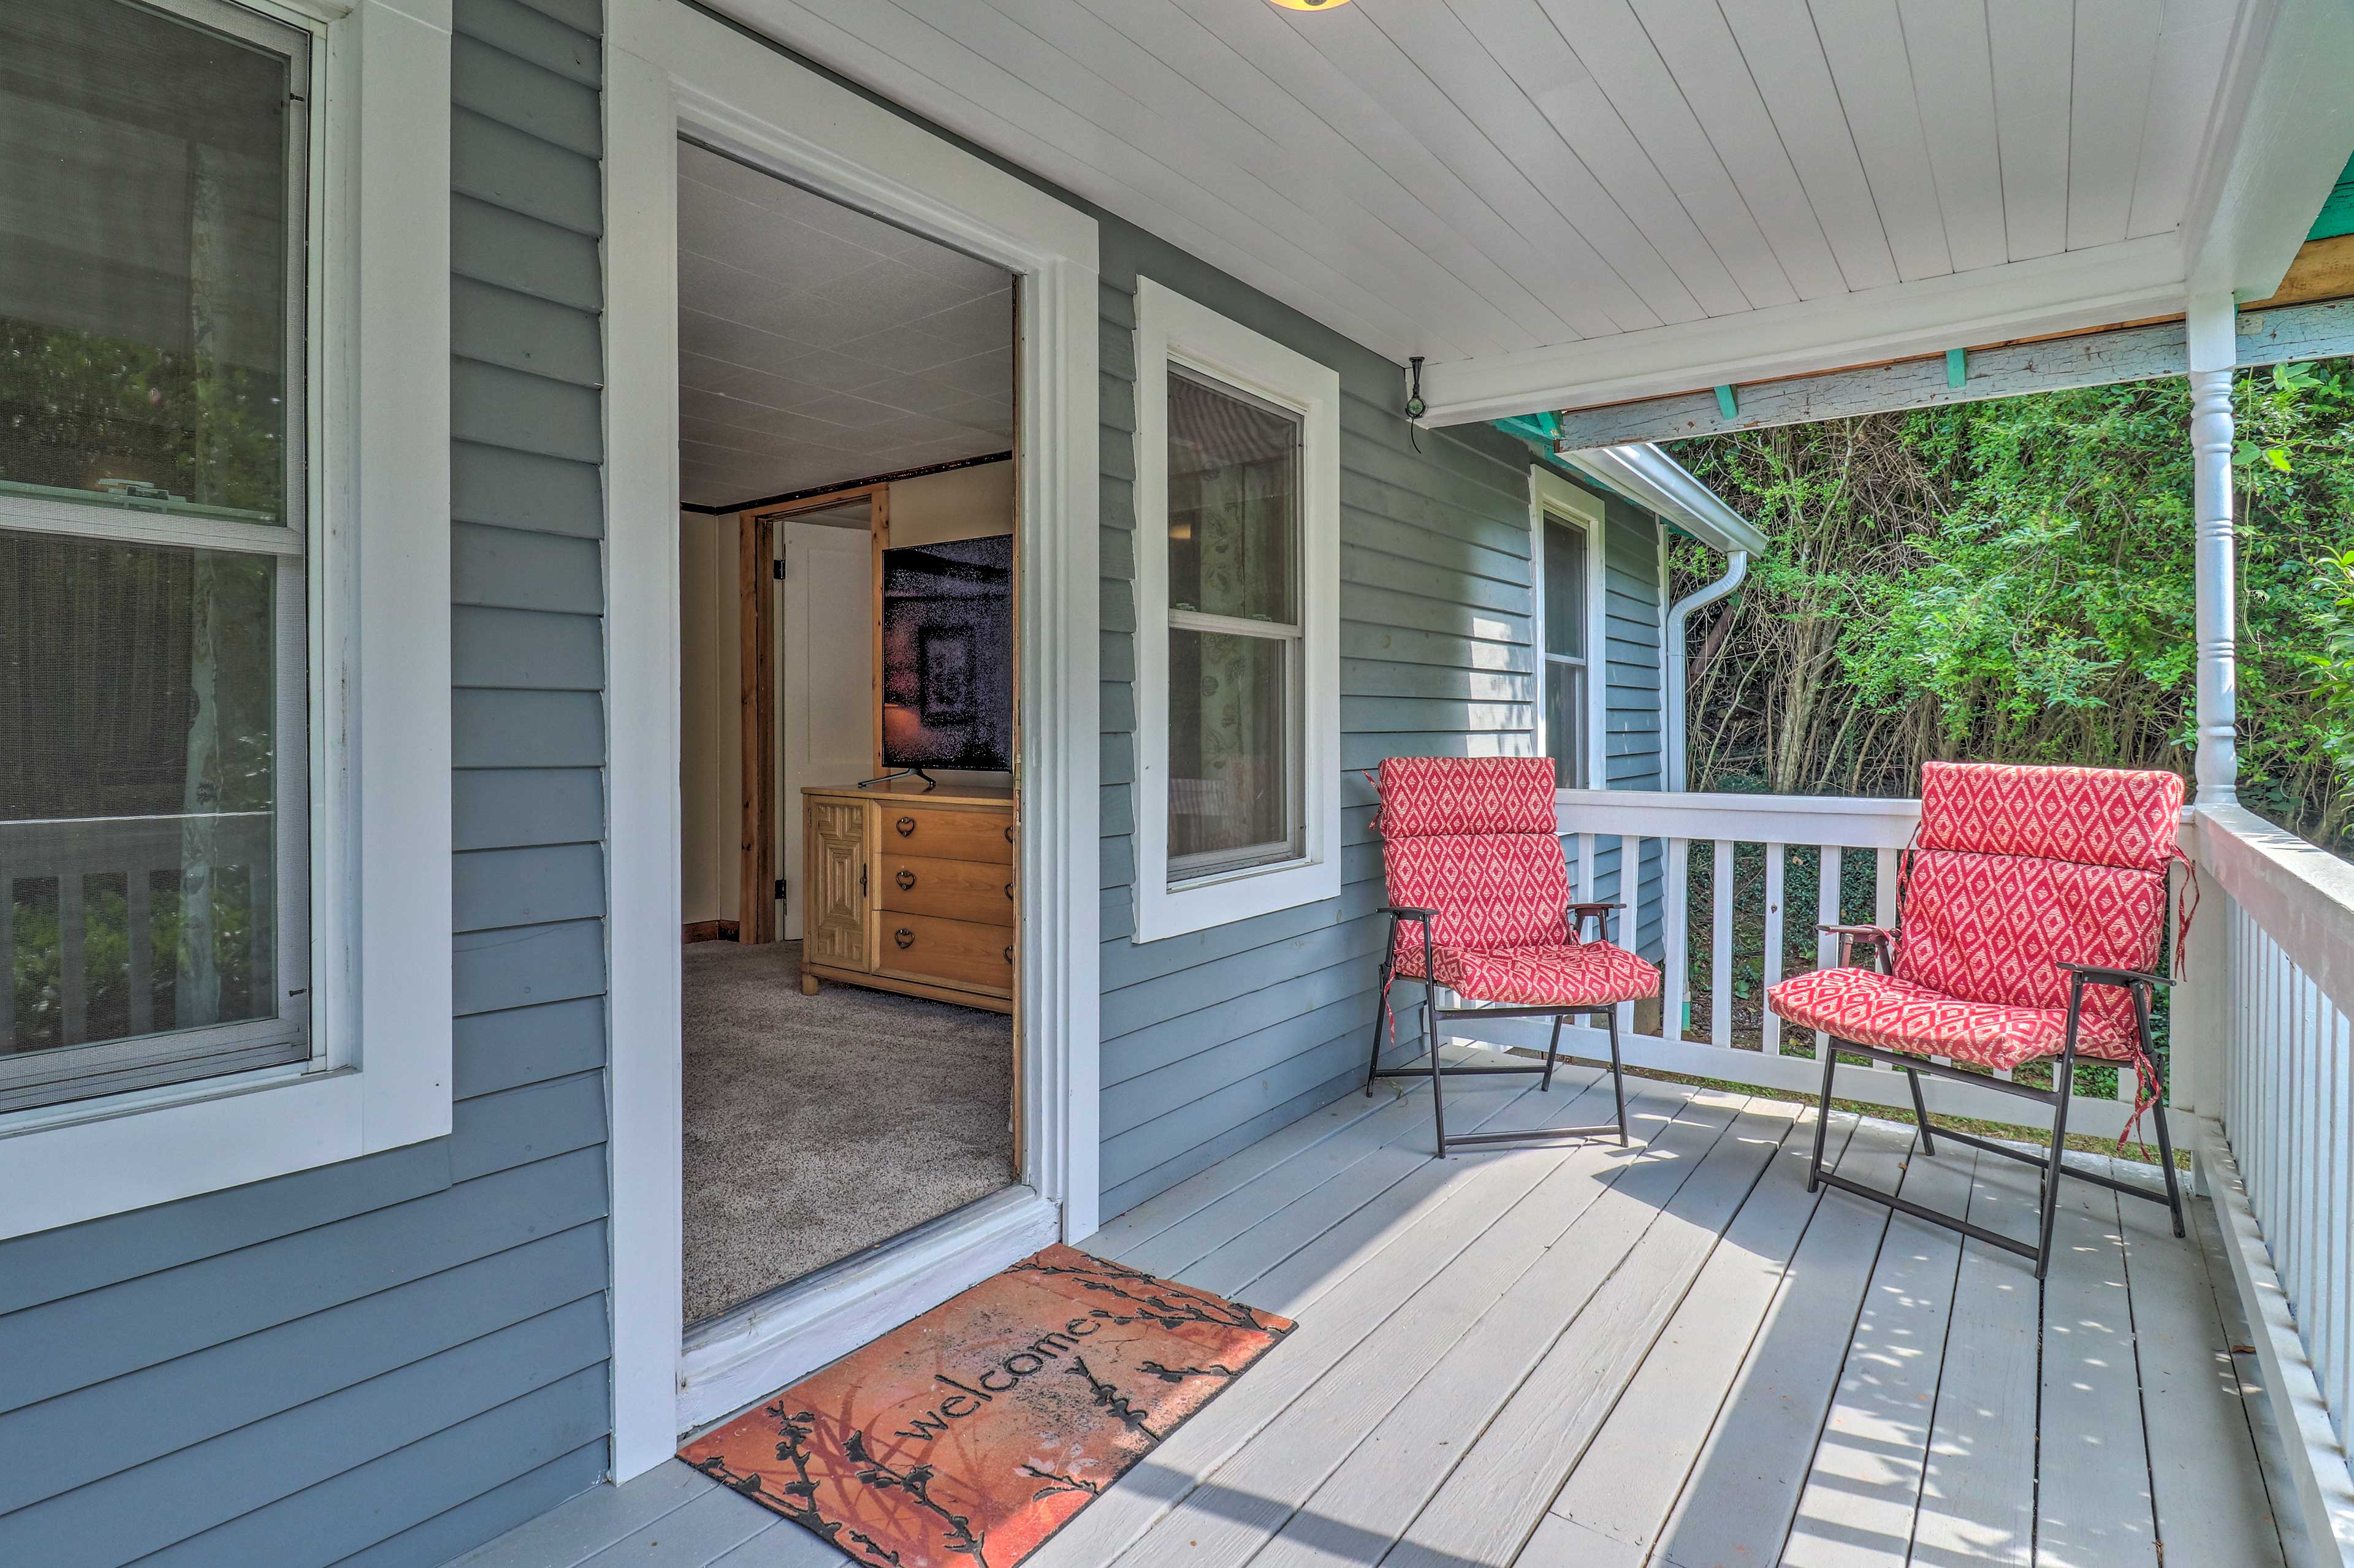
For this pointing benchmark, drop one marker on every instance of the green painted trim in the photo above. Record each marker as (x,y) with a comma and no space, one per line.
(1957,366)
(2337,216)
(1726,404)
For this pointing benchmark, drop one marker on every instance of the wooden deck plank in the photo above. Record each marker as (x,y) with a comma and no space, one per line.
(2091,1488)
(2248,1379)
(2212,1506)
(1664,1216)
(1289,1224)
(1621,1492)
(1978,1482)
(1228,1521)
(565,1537)
(712,1525)
(1344,1122)
(1340,1287)
(1857,1510)
(1492,1505)
(1737,1502)
(1402,1123)
(1357,1205)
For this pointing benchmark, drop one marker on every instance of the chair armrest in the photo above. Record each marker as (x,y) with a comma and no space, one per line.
(1598,908)
(2100,974)
(1407,912)
(1882,940)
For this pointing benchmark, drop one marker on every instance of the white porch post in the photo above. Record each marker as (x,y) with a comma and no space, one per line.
(2213,345)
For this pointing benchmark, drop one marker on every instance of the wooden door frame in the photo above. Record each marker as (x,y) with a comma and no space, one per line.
(756,585)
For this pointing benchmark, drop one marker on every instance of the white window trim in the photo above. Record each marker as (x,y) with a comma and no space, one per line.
(379,588)
(1172,328)
(671,70)
(1552,496)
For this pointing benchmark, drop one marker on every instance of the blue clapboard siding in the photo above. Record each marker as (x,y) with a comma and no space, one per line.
(389,1362)
(1213,1039)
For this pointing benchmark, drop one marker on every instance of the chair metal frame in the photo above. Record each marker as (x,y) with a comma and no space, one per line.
(2051,1164)
(1432,1013)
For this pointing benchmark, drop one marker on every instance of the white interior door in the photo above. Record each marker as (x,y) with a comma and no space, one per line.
(825,677)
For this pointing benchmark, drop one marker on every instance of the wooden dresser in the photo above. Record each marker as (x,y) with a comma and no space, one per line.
(910,892)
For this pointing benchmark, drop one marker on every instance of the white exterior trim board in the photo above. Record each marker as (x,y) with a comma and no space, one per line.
(2068,293)
(672,70)
(380,871)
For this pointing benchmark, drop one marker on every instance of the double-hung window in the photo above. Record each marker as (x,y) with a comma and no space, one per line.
(1566,523)
(224,591)
(153,532)
(1237,654)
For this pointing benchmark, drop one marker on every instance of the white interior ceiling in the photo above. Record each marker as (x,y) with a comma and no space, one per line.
(818,345)
(1597,188)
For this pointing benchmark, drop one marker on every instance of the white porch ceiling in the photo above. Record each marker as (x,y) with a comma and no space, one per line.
(817,345)
(1617,194)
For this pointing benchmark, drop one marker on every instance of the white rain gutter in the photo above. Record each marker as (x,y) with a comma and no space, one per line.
(1642,471)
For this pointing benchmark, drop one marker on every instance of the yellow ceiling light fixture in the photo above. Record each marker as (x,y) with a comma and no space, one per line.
(1310,5)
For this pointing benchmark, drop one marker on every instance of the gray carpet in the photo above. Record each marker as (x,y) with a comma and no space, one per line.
(819,1125)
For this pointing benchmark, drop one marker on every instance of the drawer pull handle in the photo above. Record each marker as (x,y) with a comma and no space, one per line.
(1009,952)
(906,879)
(1009,890)
(904,937)
(906,825)
(1009,833)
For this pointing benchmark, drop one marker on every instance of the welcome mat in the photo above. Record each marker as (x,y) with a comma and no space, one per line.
(970,1436)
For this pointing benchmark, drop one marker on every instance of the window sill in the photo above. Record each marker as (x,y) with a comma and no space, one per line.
(60,1165)
(1223,898)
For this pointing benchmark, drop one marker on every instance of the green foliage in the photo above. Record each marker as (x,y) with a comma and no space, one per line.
(79,407)
(2014,580)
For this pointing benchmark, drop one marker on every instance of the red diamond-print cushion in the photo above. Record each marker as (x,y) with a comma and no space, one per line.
(1579,974)
(1897,1015)
(2095,816)
(1422,795)
(1490,890)
(1996,929)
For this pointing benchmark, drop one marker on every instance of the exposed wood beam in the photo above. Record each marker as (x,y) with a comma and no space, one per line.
(2049,365)
(2324,269)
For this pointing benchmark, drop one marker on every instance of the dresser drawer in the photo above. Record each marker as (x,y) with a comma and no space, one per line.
(938,833)
(951,952)
(953,889)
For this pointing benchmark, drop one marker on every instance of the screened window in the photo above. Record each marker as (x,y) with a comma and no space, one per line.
(153,539)
(1565,671)
(1235,634)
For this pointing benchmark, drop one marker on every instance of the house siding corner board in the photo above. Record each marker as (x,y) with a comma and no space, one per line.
(1213,1039)
(391,1360)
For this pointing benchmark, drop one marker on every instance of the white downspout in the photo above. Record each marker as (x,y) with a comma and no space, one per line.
(1671,719)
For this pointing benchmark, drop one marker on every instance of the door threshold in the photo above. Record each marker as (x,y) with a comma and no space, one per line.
(731,1361)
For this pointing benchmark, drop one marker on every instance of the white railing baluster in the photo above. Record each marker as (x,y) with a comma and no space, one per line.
(1630,894)
(1770,1030)
(1589,880)
(1675,935)
(1720,948)
(73,987)
(139,936)
(1826,912)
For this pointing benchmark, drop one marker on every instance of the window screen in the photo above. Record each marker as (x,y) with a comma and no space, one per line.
(1565,671)
(152,546)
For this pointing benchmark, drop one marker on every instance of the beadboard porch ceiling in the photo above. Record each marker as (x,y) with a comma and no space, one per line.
(1623,196)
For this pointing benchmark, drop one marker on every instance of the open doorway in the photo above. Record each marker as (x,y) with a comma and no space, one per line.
(847,543)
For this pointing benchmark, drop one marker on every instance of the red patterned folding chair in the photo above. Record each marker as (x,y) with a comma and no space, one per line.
(2032,928)
(1478,904)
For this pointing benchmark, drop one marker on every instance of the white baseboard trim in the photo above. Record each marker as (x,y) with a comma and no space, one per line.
(2324,1488)
(731,1362)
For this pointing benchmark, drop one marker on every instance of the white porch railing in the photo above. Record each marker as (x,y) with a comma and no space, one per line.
(1729,1035)
(2260,1040)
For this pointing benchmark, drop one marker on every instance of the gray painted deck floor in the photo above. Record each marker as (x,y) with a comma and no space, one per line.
(1671,1355)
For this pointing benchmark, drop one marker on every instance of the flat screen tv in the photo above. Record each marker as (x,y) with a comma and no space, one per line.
(948,655)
